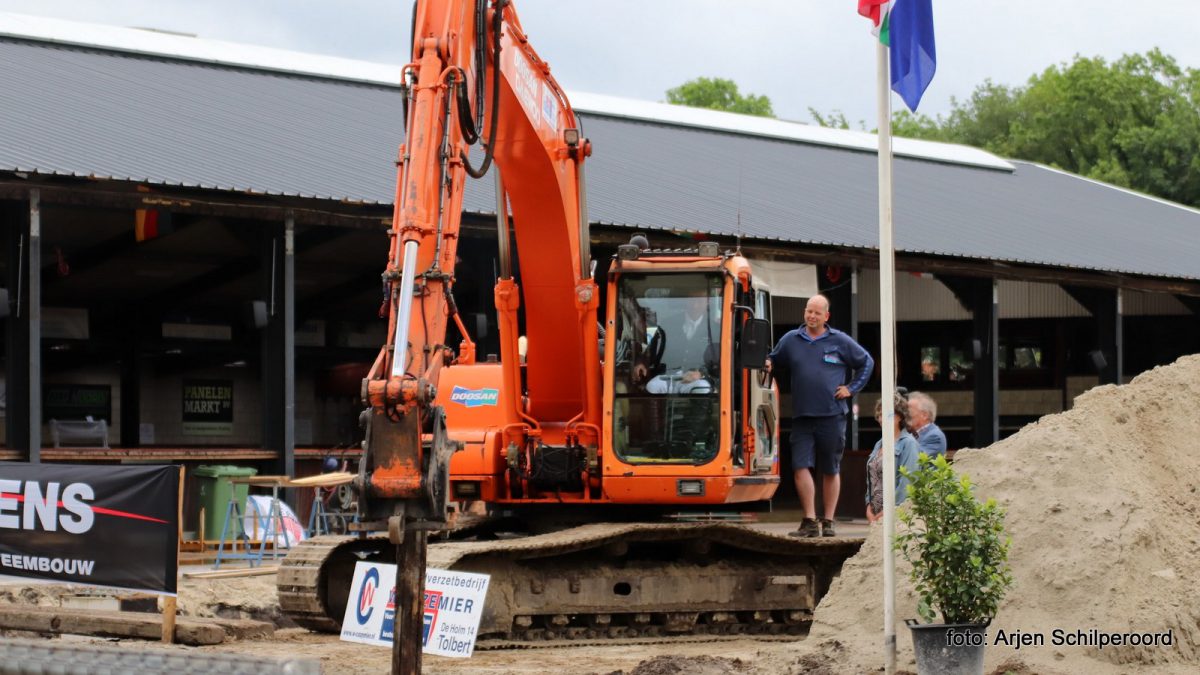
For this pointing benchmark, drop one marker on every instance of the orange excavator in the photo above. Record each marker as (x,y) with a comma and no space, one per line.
(637,418)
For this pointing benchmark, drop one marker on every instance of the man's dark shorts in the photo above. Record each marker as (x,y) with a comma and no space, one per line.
(818,442)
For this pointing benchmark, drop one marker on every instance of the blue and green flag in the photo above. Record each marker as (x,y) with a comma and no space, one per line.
(906,27)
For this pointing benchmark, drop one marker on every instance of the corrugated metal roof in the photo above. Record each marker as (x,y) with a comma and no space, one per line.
(659,176)
(88,112)
(203,50)
(767,127)
(72,111)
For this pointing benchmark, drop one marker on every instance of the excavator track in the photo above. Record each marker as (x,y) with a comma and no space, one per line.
(314,579)
(494,644)
(600,583)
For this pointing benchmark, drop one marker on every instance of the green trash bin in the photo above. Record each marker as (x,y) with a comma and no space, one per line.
(215,492)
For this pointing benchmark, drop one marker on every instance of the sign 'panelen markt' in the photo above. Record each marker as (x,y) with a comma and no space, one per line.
(208,407)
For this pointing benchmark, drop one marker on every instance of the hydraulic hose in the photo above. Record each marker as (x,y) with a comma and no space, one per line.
(497,25)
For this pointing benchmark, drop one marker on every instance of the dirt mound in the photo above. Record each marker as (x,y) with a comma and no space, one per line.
(690,665)
(233,598)
(44,595)
(1104,513)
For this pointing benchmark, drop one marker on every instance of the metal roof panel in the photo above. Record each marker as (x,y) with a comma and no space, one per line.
(82,111)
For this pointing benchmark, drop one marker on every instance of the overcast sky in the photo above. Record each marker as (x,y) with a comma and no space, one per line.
(801,53)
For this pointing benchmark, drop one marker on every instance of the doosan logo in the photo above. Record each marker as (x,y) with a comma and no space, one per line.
(473,398)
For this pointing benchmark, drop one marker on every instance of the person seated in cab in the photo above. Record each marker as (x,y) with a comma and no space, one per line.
(690,381)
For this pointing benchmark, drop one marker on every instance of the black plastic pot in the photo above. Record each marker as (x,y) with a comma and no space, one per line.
(949,649)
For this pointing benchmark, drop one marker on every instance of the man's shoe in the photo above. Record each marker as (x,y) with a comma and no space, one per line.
(808,528)
(827,529)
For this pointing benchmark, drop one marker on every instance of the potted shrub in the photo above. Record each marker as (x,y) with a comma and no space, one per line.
(959,555)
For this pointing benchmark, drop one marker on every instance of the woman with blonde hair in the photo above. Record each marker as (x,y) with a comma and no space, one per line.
(906,456)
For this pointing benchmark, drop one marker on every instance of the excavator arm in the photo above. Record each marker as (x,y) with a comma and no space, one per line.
(530,132)
(473,78)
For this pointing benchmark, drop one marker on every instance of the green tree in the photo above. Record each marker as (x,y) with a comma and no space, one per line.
(834,120)
(909,125)
(1134,122)
(719,94)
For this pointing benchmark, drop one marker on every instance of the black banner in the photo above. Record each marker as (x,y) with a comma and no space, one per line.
(97,525)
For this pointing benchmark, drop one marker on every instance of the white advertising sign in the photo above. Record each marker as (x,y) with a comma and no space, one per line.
(453,607)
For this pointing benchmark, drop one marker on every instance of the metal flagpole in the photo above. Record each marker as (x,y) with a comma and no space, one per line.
(887,373)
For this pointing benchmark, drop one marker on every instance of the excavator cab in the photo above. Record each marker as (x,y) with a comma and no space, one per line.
(689,411)
(667,368)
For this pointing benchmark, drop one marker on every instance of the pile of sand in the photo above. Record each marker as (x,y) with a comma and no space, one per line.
(1104,513)
(233,598)
(690,665)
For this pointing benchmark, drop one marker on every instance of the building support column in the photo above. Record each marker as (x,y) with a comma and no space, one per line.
(131,386)
(279,346)
(853,430)
(23,366)
(986,313)
(980,297)
(839,283)
(1191,302)
(1193,305)
(1104,304)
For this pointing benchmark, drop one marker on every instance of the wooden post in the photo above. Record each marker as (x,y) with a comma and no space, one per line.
(170,604)
(411,555)
(168,622)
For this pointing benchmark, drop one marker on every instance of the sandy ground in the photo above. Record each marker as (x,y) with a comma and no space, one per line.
(254,597)
(244,597)
(703,657)
(1103,507)
(337,657)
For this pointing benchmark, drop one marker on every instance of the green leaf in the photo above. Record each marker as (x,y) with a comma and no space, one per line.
(719,94)
(957,546)
(925,611)
(1133,122)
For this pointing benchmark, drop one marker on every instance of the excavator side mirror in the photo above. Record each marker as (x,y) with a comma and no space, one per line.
(755,344)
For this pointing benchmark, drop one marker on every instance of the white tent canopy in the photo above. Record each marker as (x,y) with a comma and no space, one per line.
(787,279)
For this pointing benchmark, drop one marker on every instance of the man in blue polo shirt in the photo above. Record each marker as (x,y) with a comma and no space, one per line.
(819,360)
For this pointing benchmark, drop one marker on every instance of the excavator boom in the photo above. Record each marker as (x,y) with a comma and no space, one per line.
(463,49)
